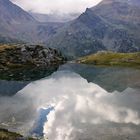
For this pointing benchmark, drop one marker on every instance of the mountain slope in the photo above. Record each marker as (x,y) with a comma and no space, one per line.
(17,24)
(120,13)
(111,25)
(12,14)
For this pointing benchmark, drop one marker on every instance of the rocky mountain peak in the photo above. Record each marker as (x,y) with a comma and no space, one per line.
(112,25)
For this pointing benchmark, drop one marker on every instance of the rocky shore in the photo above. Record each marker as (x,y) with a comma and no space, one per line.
(26,62)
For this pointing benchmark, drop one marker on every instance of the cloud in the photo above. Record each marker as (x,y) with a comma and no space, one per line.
(82,110)
(56,6)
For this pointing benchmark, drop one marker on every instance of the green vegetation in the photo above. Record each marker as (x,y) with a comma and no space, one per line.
(6,135)
(112,59)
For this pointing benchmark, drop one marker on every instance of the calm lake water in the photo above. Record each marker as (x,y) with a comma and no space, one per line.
(77,102)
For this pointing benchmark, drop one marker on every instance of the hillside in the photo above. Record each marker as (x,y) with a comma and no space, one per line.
(112,25)
(12,14)
(17,24)
(112,59)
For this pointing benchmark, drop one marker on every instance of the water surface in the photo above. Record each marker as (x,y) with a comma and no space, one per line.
(78,102)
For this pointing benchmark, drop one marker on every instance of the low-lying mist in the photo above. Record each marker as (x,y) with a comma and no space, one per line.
(81,110)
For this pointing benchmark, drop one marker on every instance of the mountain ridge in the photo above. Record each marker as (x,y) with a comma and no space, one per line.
(114,28)
(13,14)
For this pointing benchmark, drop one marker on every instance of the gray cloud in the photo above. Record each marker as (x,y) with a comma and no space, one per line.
(56,6)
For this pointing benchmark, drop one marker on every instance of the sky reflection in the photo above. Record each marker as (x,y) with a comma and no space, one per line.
(82,110)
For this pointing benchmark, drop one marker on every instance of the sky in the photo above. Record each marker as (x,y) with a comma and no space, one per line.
(56,6)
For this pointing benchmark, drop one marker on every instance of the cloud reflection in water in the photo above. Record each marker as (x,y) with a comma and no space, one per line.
(82,110)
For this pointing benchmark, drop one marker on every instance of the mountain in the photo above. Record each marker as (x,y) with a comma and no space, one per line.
(55,17)
(112,25)
(17,24)
(12,14)
(122,13)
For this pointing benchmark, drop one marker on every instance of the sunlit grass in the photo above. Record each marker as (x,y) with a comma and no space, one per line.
(6,135)
(112,58)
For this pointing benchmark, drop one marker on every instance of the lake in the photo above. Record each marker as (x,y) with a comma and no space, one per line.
(77,102)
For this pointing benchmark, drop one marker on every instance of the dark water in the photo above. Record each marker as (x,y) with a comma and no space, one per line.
(110,78)
(78,102)
(27,74)
(14,80)
(10,88)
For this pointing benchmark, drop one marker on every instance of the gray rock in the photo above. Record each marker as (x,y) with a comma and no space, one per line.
(29,55)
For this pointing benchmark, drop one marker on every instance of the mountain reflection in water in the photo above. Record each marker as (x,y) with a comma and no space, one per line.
(109,78)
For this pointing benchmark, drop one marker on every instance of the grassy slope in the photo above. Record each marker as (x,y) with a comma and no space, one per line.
(6,135)
(112,59)
(5,46)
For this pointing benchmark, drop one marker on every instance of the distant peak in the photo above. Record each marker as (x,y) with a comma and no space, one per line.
(132,2)
(111,1)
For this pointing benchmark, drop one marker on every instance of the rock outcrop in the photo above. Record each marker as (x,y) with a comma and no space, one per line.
(28,62)
(15,56)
